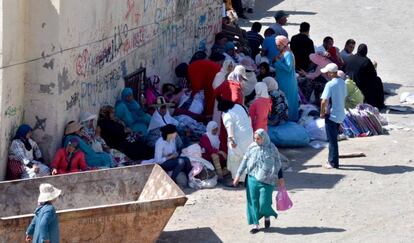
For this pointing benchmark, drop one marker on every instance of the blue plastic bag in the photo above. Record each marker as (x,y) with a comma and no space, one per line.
(289,134)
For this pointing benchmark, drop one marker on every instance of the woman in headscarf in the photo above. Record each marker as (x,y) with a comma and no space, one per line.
(130,112)
(264,168)
(226,69)
(284,65)
(210,142)
(25,158)
(87,120)
(69,159)
(240,133)
(167,153)
(118,137)
(279,112)
(152,91)
(93,159)
(360,69)
(314,81)
(260,108)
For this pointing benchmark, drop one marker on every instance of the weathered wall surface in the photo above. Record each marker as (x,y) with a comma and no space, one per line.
(81,50)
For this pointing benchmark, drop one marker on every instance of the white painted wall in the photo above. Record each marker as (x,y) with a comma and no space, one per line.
(81,50)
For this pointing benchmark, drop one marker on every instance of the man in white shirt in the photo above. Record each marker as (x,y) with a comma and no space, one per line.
(281,20)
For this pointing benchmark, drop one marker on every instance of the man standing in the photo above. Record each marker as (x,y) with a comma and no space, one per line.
(334,96)
(281,20)
(302,46)
(255,39)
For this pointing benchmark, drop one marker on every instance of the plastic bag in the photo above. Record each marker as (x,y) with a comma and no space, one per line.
(283,201)
(316,130)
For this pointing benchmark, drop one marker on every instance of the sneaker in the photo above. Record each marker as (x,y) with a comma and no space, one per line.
(327,165)
(267,223)
(250,10)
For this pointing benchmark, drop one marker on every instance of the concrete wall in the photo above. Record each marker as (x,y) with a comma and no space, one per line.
(77,53)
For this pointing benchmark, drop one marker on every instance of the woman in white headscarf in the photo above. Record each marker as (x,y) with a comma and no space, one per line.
(261,107)
(210,143)
(279,112)
(227,68)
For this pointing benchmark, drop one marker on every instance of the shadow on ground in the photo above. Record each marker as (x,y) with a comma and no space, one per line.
(382,170)
(189,235)
(303,230)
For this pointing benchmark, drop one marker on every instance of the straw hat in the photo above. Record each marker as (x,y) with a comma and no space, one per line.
(48,193)
(73,127)
(161,102)
(87,116)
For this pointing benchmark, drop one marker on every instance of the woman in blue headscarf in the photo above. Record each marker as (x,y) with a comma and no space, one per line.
(262,162)
(130,112)
(25,158)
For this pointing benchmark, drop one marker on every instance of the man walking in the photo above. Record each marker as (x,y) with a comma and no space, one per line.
(333,96)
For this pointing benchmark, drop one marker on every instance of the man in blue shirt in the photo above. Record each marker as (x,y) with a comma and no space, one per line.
(333,96)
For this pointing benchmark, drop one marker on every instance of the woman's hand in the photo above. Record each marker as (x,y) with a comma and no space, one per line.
(281,182)
(232,142)
(236,181)
(302,72)
(54,172)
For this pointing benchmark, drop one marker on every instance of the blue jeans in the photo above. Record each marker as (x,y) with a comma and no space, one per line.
(332,129)
(176,166)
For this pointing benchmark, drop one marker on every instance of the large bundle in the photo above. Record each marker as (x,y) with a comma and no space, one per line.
(363,121)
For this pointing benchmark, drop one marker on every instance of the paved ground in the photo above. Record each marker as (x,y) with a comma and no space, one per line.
(369,199)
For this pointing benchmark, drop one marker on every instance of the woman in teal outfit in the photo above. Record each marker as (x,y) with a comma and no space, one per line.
(130,112)
(93,159)
(284,65)
(262,162)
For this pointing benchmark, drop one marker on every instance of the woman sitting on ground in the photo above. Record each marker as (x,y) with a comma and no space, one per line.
(263,166)
(69,159)
(25,158)
(210,143)
(167,153)
(130,112)
(152,92)
(118,137)
(93,159)
(280,112)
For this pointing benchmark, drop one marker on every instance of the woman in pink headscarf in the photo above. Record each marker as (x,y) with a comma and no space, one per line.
(284,64)
(314,81)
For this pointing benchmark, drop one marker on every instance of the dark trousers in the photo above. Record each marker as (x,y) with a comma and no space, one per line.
(238,6)
(176,166)
(332,129)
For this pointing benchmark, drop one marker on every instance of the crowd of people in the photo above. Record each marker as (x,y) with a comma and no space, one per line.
(224,101)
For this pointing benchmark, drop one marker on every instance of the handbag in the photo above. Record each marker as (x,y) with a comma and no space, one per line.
(283,201)
(14,169)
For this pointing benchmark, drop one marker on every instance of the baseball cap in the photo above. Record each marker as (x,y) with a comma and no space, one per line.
(330,68)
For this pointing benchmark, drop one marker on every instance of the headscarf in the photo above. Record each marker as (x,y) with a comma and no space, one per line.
(271,83)
(158,121)
(153,80)
(125,93)
(221,76)
(214,139)
(229,46)
(266,153)
(261,90)
(282,40)
(132,105)
(21,133)
(74,142)
(238,74)
(362,50)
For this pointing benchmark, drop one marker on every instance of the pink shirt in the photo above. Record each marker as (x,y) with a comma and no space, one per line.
(259,112)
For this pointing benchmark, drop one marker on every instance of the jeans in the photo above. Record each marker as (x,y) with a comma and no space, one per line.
(176,166)
(332,129)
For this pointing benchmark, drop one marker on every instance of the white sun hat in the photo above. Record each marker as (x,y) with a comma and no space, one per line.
(48,193)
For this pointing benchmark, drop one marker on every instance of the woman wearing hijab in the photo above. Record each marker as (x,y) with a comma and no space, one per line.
(117,136)
(130,112)
(261,107)
(93,159)
(240,133)
(25,158)
(231,89)
(264,168)
(210,142)
(284,65)
(279,113)
(226,69)
(167,153)
(360,69)
(315,81)
(153,91)
(69,159)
